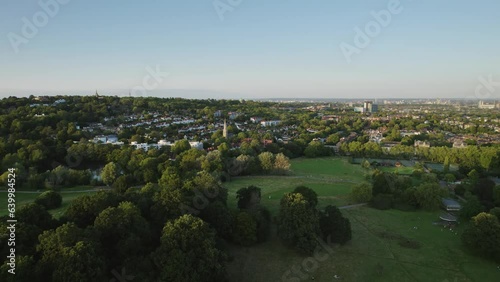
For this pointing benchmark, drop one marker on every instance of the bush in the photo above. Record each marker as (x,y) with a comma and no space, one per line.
(495,212)
(362,193)
(244,229)
(49,200)
(382,201)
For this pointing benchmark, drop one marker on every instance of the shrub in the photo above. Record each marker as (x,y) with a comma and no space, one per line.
(49,200)
(382,201)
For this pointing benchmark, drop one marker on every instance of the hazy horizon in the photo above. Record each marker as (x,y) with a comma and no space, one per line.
(251,49)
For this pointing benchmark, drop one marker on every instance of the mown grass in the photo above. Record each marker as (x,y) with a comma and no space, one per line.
(375,252)
(68,195)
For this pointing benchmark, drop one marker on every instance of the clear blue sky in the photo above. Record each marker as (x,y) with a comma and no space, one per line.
(262,48)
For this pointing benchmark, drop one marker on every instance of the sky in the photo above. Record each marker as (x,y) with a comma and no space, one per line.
(251,48)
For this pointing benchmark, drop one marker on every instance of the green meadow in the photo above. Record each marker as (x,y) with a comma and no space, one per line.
(387,245)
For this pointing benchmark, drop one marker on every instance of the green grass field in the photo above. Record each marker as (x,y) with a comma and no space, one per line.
(68,195)
(332,179)
(374,253)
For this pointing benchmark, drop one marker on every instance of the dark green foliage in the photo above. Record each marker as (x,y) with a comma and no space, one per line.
(35,214)
(121,184)
(219,217)
(382,201)
(188,252)
(483,235)
(298,223)
(429,196)
(484,190)
(381,183)
(244,229)
(248,198)
(263,218)
(24,272)
(309,195)
(460,189)
(49,200)
(496,212)
(334,227)
(123,232)
(316,149)
(471,208)
(83,210)
(69,254)
(362,193)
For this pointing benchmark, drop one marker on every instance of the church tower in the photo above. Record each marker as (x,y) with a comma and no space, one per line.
(224,132)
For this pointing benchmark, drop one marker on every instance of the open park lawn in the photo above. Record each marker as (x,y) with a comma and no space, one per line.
(25,197)
(331,178)
(387,245)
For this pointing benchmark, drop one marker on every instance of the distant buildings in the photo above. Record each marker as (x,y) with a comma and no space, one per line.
(266,123)
(368,107)
(492,105)
(107,139)
(421,144)
(255,119)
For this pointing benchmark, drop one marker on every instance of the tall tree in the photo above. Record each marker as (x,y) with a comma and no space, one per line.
(298,223)
(188,252)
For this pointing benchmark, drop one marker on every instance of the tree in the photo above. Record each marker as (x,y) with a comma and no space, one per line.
(298,223)
(266,160)
(248,198)
(450,177)
(244,229)
(362,193)
(471,208)
(496,212)
(309,195)
(109,173)
(429,196)
(123,232)
(334,227)
(121,184)
(84,209)
(496,196)
(281,164)
(316,149)
(49,200)
(219,217)
(181,146)
(67,254)
(483,235)
(187,252)
(382,183)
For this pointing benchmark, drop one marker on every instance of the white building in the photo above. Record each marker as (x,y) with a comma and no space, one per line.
(270,122)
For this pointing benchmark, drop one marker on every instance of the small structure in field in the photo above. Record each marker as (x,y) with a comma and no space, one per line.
(450,205)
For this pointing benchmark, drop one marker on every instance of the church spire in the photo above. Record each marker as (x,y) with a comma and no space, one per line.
(224,132)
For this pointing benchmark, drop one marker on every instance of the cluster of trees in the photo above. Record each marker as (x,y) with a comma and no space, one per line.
(485,158)
(388,190)
(145,231)
(483,234)
(301,224)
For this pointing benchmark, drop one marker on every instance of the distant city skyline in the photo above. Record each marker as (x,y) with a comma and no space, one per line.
(251,49)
